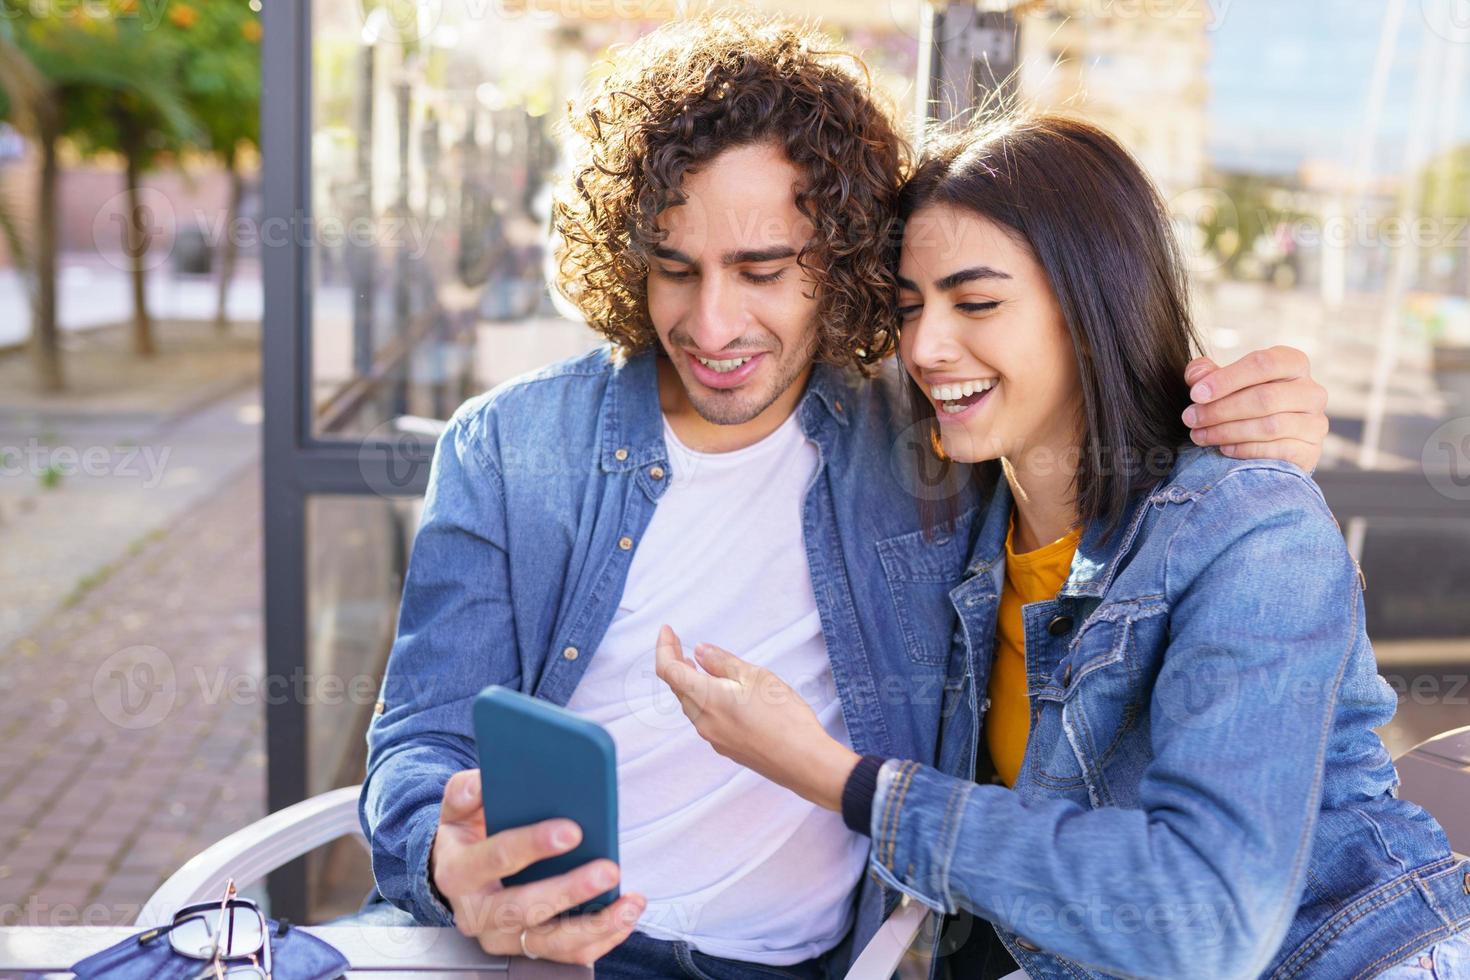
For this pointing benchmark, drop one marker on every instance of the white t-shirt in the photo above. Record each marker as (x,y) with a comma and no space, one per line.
(732,863)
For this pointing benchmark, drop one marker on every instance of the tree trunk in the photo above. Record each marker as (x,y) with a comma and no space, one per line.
(45,339)
(136,241)
(228,246)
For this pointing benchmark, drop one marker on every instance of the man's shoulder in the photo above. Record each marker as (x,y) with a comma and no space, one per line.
(881,397)
(585,375)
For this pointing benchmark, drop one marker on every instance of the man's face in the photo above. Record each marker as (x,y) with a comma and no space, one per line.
(732,308)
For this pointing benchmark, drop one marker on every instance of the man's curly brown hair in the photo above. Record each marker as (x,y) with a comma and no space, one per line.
(683,94)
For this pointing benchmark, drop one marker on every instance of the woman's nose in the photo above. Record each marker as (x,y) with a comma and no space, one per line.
(931,344)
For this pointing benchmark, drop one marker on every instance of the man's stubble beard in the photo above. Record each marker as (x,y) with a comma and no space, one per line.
(722,409)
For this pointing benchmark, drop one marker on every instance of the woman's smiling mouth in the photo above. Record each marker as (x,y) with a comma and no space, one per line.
(958,400)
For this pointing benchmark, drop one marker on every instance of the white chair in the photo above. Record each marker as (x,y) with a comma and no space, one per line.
(252,852)
(1435,774)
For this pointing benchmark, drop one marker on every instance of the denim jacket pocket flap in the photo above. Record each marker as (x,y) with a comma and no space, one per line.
(920,573)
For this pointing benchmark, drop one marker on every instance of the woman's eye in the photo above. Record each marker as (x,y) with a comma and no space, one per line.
(767,277)
(976,307)
(672,273)
(904,312)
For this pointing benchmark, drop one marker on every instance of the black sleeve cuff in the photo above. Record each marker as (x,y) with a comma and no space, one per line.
(858,792)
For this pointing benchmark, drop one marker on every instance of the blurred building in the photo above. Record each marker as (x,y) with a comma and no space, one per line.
(1138,70)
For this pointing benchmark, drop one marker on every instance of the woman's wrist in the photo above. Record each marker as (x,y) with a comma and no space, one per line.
(828,776)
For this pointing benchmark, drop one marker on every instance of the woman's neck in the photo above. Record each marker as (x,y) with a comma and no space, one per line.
(1044,496)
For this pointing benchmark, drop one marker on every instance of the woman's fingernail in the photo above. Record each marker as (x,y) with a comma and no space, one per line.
(1197,436)
(1191,416)
(1200,392)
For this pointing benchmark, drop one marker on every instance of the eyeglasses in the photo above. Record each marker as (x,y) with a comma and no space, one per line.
(231,935)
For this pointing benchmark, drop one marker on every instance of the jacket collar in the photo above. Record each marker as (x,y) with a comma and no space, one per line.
(633,422)
(1096,560)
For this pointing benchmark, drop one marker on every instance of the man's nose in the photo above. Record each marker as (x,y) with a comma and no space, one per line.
(719,315)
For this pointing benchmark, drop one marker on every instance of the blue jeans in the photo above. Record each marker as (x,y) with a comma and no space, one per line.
(641,957)
(1447,960)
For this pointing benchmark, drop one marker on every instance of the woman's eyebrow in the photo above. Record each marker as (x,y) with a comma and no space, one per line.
(969,275)
(957,278)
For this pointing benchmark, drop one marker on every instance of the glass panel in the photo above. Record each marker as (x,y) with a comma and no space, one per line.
(1419,622)
(356,554)
(1316,169)
(433,143)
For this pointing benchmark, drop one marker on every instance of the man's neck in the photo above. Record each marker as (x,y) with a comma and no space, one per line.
(702,435)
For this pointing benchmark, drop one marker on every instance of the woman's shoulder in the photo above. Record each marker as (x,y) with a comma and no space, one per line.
(1221,485)
(1211,504)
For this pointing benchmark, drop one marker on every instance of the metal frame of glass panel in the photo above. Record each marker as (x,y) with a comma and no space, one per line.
(296,464)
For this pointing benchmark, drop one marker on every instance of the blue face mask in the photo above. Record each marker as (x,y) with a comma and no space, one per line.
(295,955)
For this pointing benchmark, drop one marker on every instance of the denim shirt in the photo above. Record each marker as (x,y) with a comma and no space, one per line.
(1202,792)
(538,495)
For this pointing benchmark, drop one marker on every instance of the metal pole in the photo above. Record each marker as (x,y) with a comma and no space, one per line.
(969,55)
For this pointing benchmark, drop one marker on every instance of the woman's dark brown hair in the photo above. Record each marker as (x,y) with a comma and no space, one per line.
(1098,227)
(683,94)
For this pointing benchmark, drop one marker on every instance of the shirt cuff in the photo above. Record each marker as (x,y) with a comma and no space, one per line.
(858,792)
(429,907)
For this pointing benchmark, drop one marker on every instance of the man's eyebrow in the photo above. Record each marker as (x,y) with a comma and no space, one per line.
(758,255)
(672,254)
(739,257)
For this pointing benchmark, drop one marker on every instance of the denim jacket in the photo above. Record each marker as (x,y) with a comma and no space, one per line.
(1202,792)
(538,494)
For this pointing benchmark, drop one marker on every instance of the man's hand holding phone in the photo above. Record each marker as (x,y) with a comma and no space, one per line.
(467,868)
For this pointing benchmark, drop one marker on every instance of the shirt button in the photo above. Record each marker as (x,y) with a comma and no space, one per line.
(657,472)
(620,455)
(625,543)
(1027,945)
(1059,626)
(570,653)
(1067,676)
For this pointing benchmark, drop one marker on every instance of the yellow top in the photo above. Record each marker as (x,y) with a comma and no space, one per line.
(1032,576)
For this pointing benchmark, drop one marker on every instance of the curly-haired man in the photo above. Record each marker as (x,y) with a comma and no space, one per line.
(725,464)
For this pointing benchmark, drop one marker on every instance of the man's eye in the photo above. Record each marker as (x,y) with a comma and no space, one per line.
(768,277)
(976,307)
(904,312)
(672,273)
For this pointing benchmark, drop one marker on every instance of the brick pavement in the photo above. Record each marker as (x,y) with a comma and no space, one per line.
(132,735)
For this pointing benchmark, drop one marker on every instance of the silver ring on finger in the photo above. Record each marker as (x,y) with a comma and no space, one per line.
(524,951)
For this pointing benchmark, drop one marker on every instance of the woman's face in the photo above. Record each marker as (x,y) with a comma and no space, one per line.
(983,337)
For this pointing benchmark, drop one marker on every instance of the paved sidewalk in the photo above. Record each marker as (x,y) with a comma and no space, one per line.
(91,475)
(133,731)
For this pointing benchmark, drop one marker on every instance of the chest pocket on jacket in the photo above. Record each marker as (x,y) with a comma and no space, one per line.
(1093,718)
(920,574)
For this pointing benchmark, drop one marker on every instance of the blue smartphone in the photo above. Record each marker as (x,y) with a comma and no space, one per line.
(538,762)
